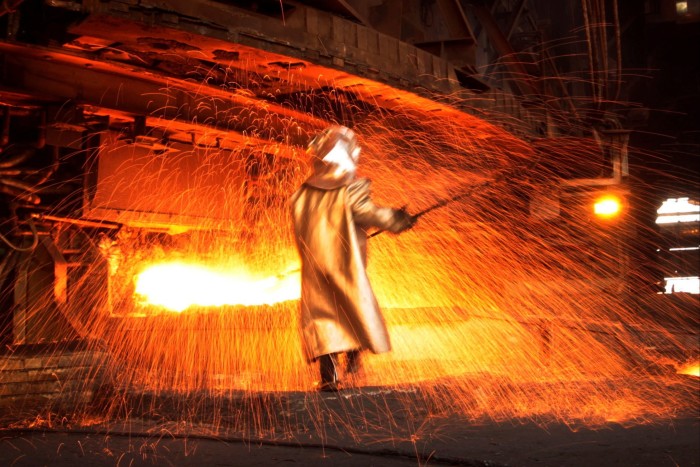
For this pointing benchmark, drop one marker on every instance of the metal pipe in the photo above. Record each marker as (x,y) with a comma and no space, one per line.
(48,172)
(5,127)
(78,222)
(618,51)
(20,194)
(11,172)
(23,153)
(447,201)
(35,239)
(45,173)
(18,184)
(41,139)
(521,78)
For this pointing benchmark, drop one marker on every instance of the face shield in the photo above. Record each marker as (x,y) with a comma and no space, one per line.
(337,145)
(339,156)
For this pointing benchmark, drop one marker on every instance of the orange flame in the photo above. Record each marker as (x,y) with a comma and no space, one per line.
(177,286)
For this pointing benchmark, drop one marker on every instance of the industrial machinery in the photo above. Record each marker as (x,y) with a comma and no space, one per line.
(146,120)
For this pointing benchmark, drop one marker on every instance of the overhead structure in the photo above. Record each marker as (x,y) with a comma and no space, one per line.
(109,109)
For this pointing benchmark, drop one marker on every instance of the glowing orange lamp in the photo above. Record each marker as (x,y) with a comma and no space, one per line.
(607,207)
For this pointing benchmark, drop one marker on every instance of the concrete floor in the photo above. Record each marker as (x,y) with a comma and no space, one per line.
(669,443)
(359,427)
(444,440)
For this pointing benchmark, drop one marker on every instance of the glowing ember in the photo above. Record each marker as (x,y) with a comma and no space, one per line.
(177,286)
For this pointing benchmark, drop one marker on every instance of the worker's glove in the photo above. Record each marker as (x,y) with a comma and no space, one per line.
(404,220)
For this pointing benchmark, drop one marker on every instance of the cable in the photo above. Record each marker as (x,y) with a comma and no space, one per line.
(35,240)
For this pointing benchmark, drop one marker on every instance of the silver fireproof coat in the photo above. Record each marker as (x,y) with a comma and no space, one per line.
(339,311)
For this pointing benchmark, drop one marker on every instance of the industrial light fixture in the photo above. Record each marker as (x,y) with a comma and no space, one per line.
(607,206)
(678,210)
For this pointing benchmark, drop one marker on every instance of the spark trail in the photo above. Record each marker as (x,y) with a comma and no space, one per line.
(493,312)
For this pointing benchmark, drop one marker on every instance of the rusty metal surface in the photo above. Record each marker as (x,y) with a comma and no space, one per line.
(69,76)
(307,34)
(176,186)
(180,54)
(151,94)
(202,87)
(307,50)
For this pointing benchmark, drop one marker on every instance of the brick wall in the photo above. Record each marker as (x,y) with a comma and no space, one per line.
(40,378)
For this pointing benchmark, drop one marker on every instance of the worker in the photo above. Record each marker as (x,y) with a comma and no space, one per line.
(332,212)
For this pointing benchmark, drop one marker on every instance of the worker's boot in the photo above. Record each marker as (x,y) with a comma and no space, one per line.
(353,368)
(328,365)
(353,363)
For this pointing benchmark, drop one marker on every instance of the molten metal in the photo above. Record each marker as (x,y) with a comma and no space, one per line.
(692,369)
(177,286)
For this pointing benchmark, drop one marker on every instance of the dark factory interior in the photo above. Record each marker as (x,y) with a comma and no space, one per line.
(549,151)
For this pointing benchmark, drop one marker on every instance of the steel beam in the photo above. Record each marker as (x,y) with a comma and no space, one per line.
(76,78)
(523,82)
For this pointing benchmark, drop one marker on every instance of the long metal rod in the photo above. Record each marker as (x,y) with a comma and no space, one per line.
(435,206)
(446,201)
(78,222)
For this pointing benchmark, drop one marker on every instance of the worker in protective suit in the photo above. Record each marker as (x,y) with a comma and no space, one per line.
(332,212)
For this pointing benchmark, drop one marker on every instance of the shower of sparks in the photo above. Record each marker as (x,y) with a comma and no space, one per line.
(493,309)
(496,306)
